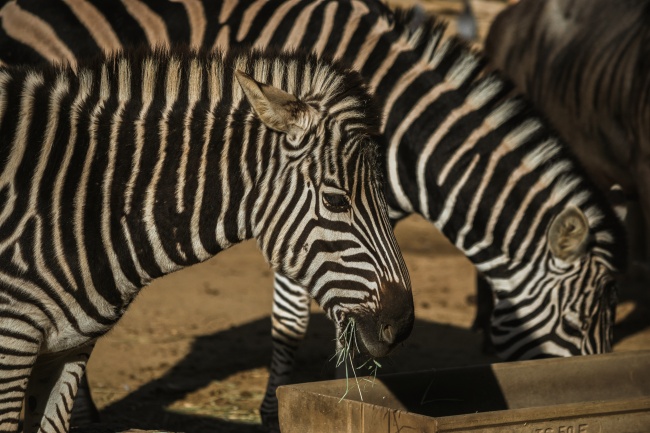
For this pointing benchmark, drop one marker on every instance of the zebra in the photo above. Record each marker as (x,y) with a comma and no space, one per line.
(459,149)
(588,72)
(136,165)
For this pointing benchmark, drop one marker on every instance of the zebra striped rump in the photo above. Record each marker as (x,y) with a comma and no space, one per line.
(137,165)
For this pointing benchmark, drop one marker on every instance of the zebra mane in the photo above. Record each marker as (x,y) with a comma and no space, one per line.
(319,81)
(467,69)
(425,34)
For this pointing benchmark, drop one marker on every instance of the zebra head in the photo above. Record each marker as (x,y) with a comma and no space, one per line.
(565,306)
(322,220)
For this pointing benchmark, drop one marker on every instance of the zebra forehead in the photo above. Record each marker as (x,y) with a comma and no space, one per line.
(354,166)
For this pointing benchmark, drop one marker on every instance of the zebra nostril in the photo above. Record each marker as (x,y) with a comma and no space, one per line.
(387,334)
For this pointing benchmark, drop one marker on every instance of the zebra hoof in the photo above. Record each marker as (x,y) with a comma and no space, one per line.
(84,411)
(271,423)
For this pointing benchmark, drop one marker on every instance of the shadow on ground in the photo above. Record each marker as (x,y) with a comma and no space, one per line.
(636,293)
(217,356)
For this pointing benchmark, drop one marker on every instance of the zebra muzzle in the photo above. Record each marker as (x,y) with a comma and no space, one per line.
(378,339)
(380,331)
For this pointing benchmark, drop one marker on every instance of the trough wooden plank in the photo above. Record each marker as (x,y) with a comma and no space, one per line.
(589,394)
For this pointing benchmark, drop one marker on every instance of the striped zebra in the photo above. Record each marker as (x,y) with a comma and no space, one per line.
(588,71)
(459,149)
(137,165)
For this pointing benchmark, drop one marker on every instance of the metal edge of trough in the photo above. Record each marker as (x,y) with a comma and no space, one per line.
(319,407)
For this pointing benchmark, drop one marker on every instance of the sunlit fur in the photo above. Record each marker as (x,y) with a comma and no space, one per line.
(141,164)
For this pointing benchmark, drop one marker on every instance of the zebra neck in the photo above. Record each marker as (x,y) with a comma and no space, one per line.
(116,171)
(472,158)
(199,170)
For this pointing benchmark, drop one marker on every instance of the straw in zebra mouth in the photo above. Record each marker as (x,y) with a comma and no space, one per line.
(348,348)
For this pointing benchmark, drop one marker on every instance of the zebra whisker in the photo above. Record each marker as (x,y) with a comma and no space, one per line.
(348,348)
(345,353)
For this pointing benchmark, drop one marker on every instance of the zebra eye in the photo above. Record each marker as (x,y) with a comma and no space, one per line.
(336,202)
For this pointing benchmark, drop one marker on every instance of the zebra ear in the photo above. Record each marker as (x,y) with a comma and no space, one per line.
(569,234)
(277,109)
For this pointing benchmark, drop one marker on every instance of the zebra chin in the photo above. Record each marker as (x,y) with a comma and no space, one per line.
(379,332)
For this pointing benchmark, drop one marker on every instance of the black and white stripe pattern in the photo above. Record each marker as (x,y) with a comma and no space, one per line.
(135,166)
(477,163)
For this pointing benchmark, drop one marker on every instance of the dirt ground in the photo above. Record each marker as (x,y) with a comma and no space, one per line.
(191,354)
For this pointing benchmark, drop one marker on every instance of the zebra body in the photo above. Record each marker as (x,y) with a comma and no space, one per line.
(588,72)
(141,164)
(459,150)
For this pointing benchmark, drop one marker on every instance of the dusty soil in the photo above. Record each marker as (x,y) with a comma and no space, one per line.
(191,354)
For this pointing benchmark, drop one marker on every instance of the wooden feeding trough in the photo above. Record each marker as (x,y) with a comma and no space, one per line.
(588,394)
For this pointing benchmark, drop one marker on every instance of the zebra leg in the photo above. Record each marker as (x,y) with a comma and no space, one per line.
(52,388)
(84,411)
(18,353)
(289,320)
(340,371)
(484,307)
